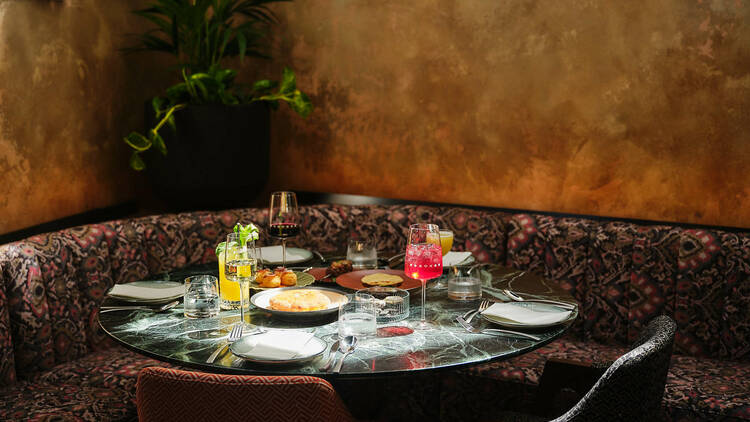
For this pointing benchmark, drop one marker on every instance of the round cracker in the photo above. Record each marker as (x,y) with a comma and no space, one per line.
(382,279)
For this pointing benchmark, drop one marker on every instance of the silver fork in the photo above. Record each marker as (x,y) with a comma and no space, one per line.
(493,331)
(468,316)
(234,335)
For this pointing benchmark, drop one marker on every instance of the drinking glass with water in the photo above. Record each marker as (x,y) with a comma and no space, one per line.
(201,296)
(358,316)
(362,253)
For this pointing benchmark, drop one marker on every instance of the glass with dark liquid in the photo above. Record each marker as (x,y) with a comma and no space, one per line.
(283,219)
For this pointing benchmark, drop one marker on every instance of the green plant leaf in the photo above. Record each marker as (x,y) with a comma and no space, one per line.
(136,163)
(137,141)
(171,123)
(176,91)
(288,84)
(158,142)
(301,104)
(156,103)
(202,87)
(242,43)
(264,85)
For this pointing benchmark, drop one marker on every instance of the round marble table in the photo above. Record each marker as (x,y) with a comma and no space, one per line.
(171,337)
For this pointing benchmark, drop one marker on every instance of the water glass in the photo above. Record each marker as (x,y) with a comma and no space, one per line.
(362,253)
(201,298)
(358,316)
(464,288)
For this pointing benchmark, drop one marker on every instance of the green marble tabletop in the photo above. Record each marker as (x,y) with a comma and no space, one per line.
(171,337)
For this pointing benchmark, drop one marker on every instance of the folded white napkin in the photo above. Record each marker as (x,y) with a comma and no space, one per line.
(454,258)
(524,314)
(274,254)
(277,345)
(146,293)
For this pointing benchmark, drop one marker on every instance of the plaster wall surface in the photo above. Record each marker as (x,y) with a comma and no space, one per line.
(67,96)
(634,109)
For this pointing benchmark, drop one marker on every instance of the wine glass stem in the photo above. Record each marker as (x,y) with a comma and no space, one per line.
(424,300)
(242,303)
(283,253)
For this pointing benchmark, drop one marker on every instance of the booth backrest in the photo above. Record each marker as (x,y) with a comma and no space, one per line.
(623,274)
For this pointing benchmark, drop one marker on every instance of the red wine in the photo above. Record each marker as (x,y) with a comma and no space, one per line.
(284,230)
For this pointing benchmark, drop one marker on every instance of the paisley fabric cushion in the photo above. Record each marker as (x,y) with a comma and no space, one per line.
(713,290)
(66,402)
(481,232)
(97,387)
(557,249)
(707,389)
(527,368)
(54,284)
(697,389)
(324,228)
(608,280)
(113,368)
(652,286)
(7,360)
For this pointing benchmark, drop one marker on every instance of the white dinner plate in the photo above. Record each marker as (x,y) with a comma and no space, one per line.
(244,349)
(262,299)
(541,307)
(156,284)
(271,255)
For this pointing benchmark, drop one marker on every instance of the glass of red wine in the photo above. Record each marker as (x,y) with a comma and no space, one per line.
(424,259)
(283,219)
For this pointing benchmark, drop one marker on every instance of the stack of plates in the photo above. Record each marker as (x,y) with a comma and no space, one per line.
(147,292)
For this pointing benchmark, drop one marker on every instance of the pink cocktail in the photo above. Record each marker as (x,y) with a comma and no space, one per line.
(424,258)
(423,261)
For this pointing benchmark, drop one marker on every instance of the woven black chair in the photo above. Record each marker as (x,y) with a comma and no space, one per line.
(631,388)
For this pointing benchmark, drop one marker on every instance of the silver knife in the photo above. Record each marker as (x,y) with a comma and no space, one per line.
(217,352)
(320,256)
(331,356)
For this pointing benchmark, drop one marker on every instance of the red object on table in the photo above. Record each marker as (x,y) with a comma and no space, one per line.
(171,394)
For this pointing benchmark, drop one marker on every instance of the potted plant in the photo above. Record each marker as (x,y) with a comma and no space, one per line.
(207,142)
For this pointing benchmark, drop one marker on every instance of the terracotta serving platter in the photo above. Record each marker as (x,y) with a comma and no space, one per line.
(353,280)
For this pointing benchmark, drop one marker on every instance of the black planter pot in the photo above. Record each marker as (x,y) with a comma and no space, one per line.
(217,159)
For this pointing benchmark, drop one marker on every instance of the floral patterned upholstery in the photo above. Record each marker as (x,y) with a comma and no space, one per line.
(481,232)
(623,274)
(7,359)
(99,386)
(634,273)
(31,401)
(556,249)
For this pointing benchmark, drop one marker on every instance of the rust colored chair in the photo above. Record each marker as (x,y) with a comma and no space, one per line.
(173,395)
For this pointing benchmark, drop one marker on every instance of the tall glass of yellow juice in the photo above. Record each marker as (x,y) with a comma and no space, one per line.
(229,291)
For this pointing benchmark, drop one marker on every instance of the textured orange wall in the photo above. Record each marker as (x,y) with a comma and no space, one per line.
(67,96)
(618,108)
